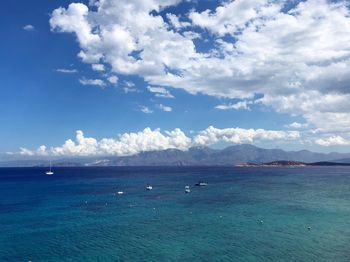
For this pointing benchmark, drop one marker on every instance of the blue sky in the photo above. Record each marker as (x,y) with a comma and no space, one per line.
(222,68)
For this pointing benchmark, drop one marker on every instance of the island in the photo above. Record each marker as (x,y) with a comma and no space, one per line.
(287,163)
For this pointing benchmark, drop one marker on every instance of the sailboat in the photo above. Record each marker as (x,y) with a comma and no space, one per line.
(50,172)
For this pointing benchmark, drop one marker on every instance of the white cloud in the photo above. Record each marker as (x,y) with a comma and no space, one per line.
(129,87)
(165,108)
(41,151)
(28,28)
(66,71)
(192,35)
(98,67)
(74,20)
(231,16)
(160,91)
(330,121)
(212,135)
(146,110)
(125,27)
(25,152)
(125,144)
(92,82)
(82,146)
(113,79)
(176,23)
(241,105)
(297,125)
(298,61)
(332,141)
(327,112)
(149,140)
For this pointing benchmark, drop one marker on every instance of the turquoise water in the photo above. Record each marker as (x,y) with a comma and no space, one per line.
(244,214)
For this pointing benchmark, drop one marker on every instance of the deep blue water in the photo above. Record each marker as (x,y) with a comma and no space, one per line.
(75,215)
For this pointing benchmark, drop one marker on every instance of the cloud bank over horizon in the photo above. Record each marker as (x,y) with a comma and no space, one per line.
(155,140)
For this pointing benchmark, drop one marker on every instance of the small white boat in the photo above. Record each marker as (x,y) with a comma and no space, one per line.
(187,189)
(201,184)
(120,192)
(149,187)
(50,172)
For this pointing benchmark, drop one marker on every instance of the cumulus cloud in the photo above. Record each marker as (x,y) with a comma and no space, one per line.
(92,82)
(74,20)
(297,125)
(125,144)
(113,79)
(241,105)
(333,141)
(304,69)
(160,91)
(175,21)
(231,16)
(41,151)
(152,140)
(212,135)
(28,28)
(25,152)
(327,112)
(98,67)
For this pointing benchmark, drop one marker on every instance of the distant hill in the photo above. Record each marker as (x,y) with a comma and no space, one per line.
(195,156)
(343,160)
(284,163)
(327,163)
(232,155)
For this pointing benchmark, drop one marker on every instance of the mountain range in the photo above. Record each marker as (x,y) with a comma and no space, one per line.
(195,156)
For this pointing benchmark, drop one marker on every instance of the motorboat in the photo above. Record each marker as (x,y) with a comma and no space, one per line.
(201,184)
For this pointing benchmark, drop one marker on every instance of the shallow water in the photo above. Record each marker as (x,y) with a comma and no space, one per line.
(244,214)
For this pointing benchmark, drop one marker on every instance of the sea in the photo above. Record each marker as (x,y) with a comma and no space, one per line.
(243,214)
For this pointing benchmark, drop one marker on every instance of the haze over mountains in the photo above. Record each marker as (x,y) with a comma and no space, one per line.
(195,156)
